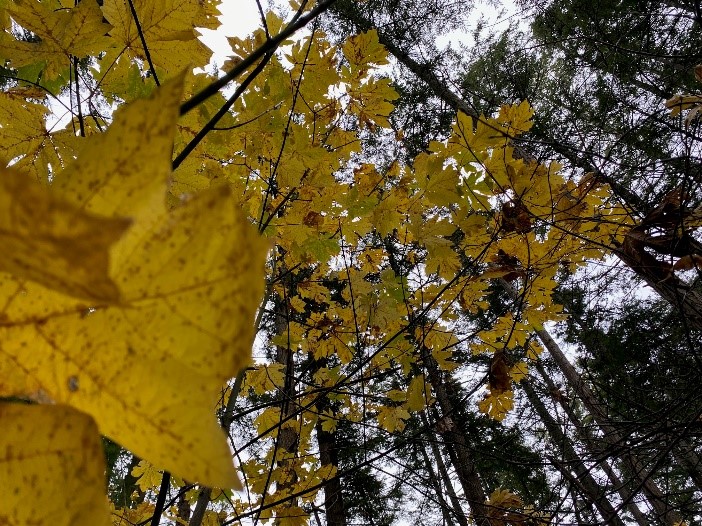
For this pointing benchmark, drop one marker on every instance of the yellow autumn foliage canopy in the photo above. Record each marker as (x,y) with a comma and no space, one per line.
(129,288)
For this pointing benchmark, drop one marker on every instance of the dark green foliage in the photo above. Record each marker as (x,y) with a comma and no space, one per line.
(121,485)
(367,500)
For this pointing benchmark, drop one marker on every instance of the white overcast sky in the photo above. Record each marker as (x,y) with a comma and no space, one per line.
(239,18)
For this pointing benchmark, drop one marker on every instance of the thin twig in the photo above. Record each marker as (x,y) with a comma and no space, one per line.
(264,23)
(143,42)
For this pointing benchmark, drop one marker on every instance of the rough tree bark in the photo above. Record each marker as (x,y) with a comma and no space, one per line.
(328,456)
(288,437)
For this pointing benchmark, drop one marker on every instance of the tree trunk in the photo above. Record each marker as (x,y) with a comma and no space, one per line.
(457,509)
(661,278)
(329,456)
(591,443)
(434,482)
(456,444)
(587,485)
(682,451)
(689,460)
(288,438)
(610,434)
(333,497)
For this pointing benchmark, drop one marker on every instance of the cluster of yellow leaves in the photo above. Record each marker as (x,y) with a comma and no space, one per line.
(353,300)
(65,31)
(505,508)
(521,222)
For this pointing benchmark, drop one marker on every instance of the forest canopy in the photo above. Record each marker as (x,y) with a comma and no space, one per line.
(352,274)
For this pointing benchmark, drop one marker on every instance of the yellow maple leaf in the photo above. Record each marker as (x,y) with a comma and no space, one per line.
(502,498)
(265,378)
(63,34)
(468,145)
(168,27)
(268,420)
(397,395)
(149,477)
(497,405)
(392,418)
(328,421)
(518,372)
(680,103)
(141,514)
(148,367)
(372,102)
(26,142)
(517,117)
(364,50)
(51,456)
(121,79)
(418,393)
(440,184)
(213,518)
(53,242)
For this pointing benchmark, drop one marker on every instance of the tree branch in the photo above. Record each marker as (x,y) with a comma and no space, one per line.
(266,49)
(143,42)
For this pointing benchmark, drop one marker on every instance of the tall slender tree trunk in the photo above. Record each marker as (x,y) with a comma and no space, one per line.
(610,434)
(456,444)
(586,483)
(333,496)
(436,486)
(329,457)
(683,452)
(595,452)
(456,507)
(225,421)
(288,436)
